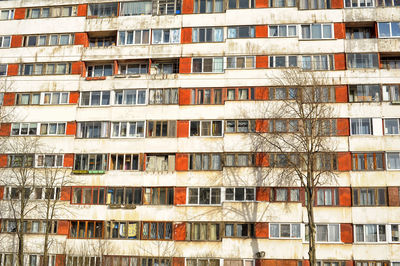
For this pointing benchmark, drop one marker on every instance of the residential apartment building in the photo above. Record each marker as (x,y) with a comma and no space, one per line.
(148,108)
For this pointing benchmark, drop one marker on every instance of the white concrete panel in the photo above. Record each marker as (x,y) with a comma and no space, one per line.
(377,127)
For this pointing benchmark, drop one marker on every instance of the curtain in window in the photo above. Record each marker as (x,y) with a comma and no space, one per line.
(322,233)
(175,36)
(393,160)
(333,233)
(218,34)
(135,8)
(274,230)
(229,229)
(370,233)
(216,162)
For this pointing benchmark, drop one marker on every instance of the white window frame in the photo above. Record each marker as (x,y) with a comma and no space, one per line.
(10,14)
(127,129)
(124,92)
(57,162)
(291,231)
(223,192)
(287,35)
(235,30)
(5,67)
(48,39)
(246,58)
(390,24)
(196,33)
(125,33)
(90,98)
(322,31)
(163,32)
(359,121)
(397,126)
(214,68)
(48,128)
(2,41)
(365,235)
(28,128)
(390,228)
(349,3)
(272,61)
(143,69)
(391,93)
(93,75)
(316,62)
(329,236)
(198,196)
(61,95)
(211,128)
(387,161)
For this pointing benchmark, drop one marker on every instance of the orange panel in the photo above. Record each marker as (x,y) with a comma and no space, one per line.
(262,194)
(341,94)
(187,7)
(345,197)
(82,10)
(340,30)
(185,65)
(393,195)
(71,128)
(186,35)
(343,128)
(262,126)
(19,13)
(16,41)
(63,228)
(261,93)
(12,69)
(346,233)
(3,160)
(261,230)
(68,160)
(5,129)
(65,193)
(261,3)
(180,196)
(179,231)
(261,61)
(183,129)
(74,97)
(344,161)
(261,31)
(340,61)
(184,96)
(81,38)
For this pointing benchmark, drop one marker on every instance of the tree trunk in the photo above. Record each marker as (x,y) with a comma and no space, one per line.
(311,227)
(20,258)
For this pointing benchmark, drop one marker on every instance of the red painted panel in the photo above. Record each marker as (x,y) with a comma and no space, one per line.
(183,128)
(81,38)
(179,231)
(65,193)
(74,97)
(262,194)
(16,41)
(346,233)
(261,61)
(186,35)
(261,3)
(184,96)
(261,31)
(344,161)
(71,128)
(181,162)
(187,7)
(261,93)
(82,10)
(19,13)
(345,196)
(261,230)
(3,160)
(185,65)
(343,127)
(341,94)
(340,61)
(5,129)
(180,196)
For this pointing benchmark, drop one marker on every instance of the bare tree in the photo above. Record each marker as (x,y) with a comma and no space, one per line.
(297,143)
(20,179)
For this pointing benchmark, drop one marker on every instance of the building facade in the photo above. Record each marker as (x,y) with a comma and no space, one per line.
(145,110)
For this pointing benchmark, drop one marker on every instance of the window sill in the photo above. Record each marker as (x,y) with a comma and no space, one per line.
(95,78)
(85,172)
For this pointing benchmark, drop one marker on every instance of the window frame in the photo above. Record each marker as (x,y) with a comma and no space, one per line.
(217,190)
(86,229)
(152,127)
(164,238)
(163,34)
(164,96)
(29,129)
(359,126)
(357,196)
(80,199)
(129,125)
(355,161)
(198,31)
(40,160)
(212,130)
(202,65)
(190,231)
(291,231)
(91,70)
(249,194)
(322,31)
(288,193)
(364,230)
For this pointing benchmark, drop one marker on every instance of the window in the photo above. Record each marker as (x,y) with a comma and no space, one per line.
(367,161)
(157,230)
(103,10)
(167,7)
(207,65)
(372,263)
(281,160)
(327,233)
(55,11)
(327,197)
(158,196)
(239,62)
(134,37)
(52,128)
(388,3)
(139,68)
(122,230)
(390,61)
(205,161)
(95,98)
(240,126)
(284,230)
(100,70)
(241,32)
(369,197)
(388,29)
(238,94)
(232,4)
(326,161)
(317,62)
(130,97)
(6,14)
(204,196)
(391,93)
(391,126)
(49,160)
(165,66)
(285,194)
(88,195)
(135,8)
(158,162)
(283,125)
(125,196)
(283,31)
(5,41)
(283,61)
(90,162)
(206,96)
(102,41)
(3,69)
(1,98)
(240,160)
(365,93)
(124,260)
(163,96)
(359,3)
(361,126)
(49,39)
(393,160)
(282,3)
(156,261)
(395,232)
(203,231)
(360,32)
(93,130)
(124,162)
(166,36)
(244,230)
(45,69)
(362,60)
(82,260)
(315,4)
(24,129)
(240,194)
(370,233)
(283,93)
(128,129)
(161,128)
(86,229)
(316,31)
(55,97)
(206,128)
(28,98)
(210,6)
(207,34)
